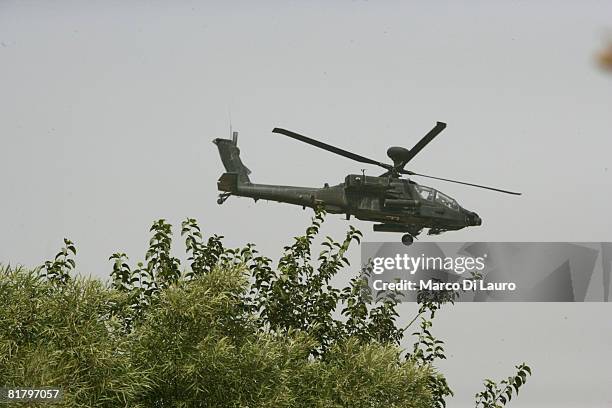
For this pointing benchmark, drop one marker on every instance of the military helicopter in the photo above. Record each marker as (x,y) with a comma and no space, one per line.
(394,203)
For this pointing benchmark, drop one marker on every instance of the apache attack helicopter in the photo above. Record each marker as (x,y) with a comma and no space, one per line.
(396,204)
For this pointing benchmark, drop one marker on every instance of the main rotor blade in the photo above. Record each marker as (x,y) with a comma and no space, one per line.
(440,126)
(460,182)
(331,148)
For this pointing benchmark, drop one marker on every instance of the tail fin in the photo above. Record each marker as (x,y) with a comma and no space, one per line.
(230,156)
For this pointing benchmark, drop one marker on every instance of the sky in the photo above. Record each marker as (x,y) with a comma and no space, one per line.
(109,110)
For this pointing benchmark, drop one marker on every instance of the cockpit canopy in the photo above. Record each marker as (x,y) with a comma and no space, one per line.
(433,195)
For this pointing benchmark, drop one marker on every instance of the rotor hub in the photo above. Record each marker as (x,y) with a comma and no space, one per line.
(398,154)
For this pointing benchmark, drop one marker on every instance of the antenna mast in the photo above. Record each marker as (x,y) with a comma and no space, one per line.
(233,135)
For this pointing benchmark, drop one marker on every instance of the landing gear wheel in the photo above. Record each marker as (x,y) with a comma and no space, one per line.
(407,239)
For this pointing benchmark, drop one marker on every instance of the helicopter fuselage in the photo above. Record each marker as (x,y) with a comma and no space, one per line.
(398,205)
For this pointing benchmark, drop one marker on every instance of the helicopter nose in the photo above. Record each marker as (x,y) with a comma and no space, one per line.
(474,219)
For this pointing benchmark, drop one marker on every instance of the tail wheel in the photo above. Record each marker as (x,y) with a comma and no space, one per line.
(222,198)
(407,239)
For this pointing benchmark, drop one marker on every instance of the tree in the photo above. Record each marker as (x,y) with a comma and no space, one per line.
(231,330)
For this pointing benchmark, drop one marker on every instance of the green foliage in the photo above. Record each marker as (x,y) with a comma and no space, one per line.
(121,274)
(201,345)
(64,338)
(197,347)
(58,270)
(203,257)
(163,268)
(368,319)
(427,348)
(232,330)
(298,295)
(498,395)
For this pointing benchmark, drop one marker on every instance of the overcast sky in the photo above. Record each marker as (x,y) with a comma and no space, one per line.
(109,109)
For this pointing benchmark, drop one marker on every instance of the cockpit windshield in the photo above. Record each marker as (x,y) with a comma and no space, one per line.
(426,193)
(430,194)
(446,201)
